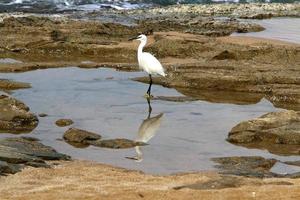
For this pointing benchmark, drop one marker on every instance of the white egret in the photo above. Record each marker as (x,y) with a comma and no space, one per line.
(148,62)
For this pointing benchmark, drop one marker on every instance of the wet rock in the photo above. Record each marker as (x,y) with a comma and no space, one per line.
(13,85)
(64,122)
(250,166)
(75,135)
(15,116)
(275,130)
(118,143)
(43,115)
(15,153)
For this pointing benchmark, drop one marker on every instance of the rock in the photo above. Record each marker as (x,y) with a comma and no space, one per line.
(75,135)
(43,115)
(15,153)
(13,85)
(253,10)
(250,166)
(15,116)
(118,143)
(6,168)
(64,122)
(279,132)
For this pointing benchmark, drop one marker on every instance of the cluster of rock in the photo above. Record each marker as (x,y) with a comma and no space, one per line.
(82,138)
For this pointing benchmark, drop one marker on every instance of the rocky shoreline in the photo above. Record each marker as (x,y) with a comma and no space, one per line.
(246,11)
(202,62)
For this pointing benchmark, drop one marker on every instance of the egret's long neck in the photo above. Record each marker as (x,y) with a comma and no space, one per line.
(140,49)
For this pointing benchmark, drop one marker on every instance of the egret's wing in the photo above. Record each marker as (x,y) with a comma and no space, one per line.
(151,64)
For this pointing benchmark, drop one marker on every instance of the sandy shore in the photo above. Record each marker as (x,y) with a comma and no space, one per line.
(87,180)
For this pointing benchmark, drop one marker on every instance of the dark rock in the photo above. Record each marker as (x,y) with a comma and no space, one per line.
(225,55)
(20,150)
(6,168)
(250,166)
(43,115)
(279,132)
(64,122)
(75,135)
(116,143)
(15,116)
(15,153)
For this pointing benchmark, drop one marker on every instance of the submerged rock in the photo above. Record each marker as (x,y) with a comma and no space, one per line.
(75,135)
(278,132)
(15,116)
(43,115)
(15,153)
(64,122)
(118,143)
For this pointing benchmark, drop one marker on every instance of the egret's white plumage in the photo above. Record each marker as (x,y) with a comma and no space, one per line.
(148,62)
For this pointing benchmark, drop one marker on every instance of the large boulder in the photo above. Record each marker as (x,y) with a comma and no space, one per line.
(279,132)
(15,116)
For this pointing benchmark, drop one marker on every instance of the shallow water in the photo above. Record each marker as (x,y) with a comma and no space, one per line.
(109,103)
(285,29)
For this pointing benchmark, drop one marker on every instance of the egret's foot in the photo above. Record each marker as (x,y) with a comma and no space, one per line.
(148,96)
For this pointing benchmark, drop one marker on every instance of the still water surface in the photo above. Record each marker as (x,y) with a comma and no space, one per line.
(105,101)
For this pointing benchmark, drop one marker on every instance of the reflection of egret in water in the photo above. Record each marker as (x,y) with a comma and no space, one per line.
(147,130)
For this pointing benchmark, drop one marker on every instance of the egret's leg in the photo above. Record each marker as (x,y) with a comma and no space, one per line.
(149,88)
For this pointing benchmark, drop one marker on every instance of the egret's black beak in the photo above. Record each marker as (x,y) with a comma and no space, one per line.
(134,38)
